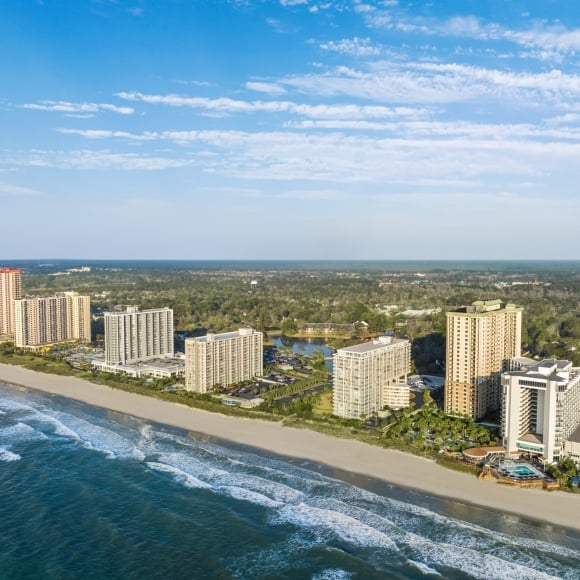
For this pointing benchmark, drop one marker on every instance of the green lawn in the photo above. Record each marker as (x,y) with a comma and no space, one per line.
(324,404)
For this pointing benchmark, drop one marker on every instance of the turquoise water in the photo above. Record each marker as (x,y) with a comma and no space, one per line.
(523,470)
(87,493)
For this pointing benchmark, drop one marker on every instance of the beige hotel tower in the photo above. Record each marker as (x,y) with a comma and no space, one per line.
(481,339)
(43,321)
(223,359)
(10,290)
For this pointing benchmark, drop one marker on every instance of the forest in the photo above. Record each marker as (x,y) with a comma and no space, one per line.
(376,299)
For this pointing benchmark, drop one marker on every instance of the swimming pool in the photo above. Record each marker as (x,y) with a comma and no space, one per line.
(519,470)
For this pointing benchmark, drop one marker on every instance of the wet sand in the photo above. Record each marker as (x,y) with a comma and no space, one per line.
(402,469)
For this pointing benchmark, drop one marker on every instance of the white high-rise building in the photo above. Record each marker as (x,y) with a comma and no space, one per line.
(138,335)
(223,359)
(43,321)
(540,407)
(365,376)
(481,339)
(10,290)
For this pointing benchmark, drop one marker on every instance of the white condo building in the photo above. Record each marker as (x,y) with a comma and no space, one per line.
(10,290)
(540,407)
(368,376)
(223,359)
(138,335)
(42,321)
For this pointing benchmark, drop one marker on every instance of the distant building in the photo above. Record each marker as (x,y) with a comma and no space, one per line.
(541,407)
(10,290)
(44,321)
(481,339)
(365,375)
(318,328)
(223,359)
(138,335)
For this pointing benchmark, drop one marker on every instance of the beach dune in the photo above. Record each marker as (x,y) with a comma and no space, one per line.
(558,508)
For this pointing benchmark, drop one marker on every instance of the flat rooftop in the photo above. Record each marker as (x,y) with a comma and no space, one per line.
(547,369)
(533,438)
(224,335)
(489,307)
(382,342)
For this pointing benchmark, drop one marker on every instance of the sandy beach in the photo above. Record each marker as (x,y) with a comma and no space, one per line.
(558,508)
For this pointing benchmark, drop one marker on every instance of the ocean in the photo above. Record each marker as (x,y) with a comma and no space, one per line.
(88,493)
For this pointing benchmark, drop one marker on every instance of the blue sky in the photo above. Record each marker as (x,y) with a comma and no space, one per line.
(280,129)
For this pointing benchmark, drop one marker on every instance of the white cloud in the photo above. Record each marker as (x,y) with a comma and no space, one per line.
(280,27)
(103,159)
(552,38)
(67,107)
(233,106)
(353,46)
(268,88)
(16,190)
(105,134)
(364,8)
(441,83)
(193,83)
(293,2)
(545,41)
(431,153)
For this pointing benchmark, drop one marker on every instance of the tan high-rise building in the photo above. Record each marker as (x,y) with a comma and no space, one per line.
(369,376)
(138,335)
(43,321)
(10,290)
(223,359)
(481,339)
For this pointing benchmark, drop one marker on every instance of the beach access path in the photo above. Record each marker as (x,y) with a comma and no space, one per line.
(402,469)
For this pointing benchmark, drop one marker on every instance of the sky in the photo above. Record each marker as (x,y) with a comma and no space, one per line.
(289,129)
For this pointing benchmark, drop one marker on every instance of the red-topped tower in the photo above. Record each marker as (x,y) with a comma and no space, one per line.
(10,290)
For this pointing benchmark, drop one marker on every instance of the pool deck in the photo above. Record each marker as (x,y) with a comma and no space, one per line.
(506,472)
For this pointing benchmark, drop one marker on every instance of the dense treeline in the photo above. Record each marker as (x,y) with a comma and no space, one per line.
(219,300)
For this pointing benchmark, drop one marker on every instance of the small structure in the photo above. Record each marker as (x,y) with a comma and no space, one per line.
(327,328)
(233,401)
(160,368)
(478,455)
(397,395)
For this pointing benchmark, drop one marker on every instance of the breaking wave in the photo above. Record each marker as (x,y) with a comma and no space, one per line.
(317,511)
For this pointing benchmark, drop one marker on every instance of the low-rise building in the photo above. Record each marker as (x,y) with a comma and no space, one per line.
(159,368)
(397,395)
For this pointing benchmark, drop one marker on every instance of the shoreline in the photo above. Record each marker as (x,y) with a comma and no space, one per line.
(390,466)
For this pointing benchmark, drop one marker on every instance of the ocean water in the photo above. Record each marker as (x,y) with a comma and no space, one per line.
(86,493)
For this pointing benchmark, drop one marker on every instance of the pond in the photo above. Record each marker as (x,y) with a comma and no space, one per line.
(305,346)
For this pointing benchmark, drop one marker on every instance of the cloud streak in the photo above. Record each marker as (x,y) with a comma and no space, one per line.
(16,190)
(82,108)
(234,106)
